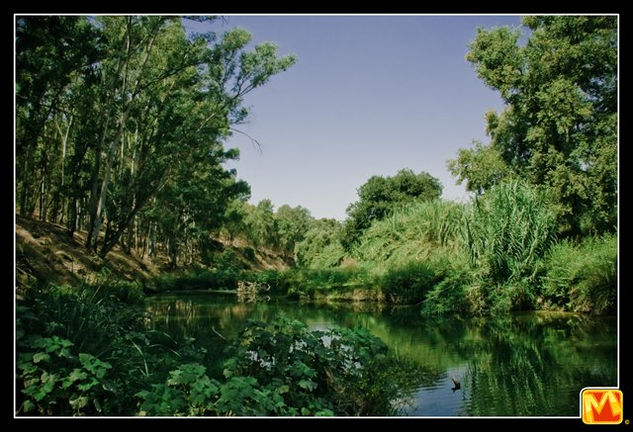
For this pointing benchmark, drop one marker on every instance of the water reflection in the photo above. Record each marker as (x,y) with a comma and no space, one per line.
(531,364)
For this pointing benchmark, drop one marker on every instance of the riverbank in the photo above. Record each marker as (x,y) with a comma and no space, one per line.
(578,277)
(46,253)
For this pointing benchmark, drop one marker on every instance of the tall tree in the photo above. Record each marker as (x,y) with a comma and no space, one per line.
(51,53)
(119,114)
(262,225)
(559,127)
(292,225)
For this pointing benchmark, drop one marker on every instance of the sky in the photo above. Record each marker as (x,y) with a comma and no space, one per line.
(368,95)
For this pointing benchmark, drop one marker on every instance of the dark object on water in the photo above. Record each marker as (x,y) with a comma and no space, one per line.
(456,384)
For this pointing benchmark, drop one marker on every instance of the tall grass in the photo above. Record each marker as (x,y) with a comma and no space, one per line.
(508,232)
(412,233)
(583,277)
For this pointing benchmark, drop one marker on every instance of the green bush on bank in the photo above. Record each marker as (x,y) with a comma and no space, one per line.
(410,283)
(80,350)
(205,279)
(508,232)
(582,277)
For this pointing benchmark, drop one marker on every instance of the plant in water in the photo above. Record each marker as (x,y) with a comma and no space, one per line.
(282,368)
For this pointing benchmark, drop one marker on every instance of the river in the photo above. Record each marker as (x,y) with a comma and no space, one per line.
(523,364)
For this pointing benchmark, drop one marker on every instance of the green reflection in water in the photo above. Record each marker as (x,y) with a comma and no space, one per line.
(531,364)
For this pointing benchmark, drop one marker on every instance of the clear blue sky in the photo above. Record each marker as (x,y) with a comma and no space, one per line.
(368,95)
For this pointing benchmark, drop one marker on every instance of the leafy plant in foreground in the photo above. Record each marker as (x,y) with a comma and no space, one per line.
(284,369)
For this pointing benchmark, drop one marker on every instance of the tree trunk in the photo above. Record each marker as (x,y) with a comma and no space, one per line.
(95,184)
(98,220)
(64,138)
(71,224)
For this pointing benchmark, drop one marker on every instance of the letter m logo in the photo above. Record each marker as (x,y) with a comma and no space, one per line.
(601,406)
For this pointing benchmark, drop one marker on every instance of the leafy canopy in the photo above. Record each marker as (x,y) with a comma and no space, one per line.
(559,127)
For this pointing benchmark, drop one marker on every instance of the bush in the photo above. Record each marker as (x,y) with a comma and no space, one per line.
(223,279)
(410,283)
(80,350)
(282,368)
(56,381)
(508,232)
(449,297)
(321,246)
(583,277)
(412,233)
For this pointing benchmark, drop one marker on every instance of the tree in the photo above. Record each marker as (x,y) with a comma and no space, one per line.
(234,219)
(262,225)
(321,246)
(51,53)
(292,225)
(559,127)
(480,167)
(121,122)
(380,194)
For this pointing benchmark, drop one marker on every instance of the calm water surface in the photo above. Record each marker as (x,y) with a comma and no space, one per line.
(528,364)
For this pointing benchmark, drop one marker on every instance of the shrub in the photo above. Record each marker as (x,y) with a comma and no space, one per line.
(412,233)
(282,368)
(583,277)
(56,381)
(409,283)
(80,350)
(321,246)
(222,279)
(450,296)
(508,231)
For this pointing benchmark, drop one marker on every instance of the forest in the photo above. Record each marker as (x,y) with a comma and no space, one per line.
(121,125)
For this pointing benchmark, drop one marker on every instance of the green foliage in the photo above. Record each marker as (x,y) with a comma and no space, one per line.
(80,350)
(508,233)
(326,372)
(262,225)
(293,224)
(55,381)
(282,368)
(583,277)
(413,233)
(509,230)
(227,260)
(480,167)
(409,283)
(450,296)
(218,279)
(379,195)
(321,246)
(559,128)
(121,123)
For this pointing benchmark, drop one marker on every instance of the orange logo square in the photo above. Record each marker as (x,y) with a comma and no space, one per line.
(601,406)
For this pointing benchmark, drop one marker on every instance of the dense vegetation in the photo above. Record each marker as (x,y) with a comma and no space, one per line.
(120,123)
(89,351)
(379,195)
(540,232)
(120,130)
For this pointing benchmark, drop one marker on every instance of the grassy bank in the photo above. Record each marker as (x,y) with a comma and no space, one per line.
(497,254)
